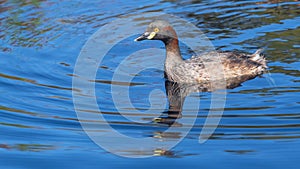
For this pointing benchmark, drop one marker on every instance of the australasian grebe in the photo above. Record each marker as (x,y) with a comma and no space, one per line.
(237,66)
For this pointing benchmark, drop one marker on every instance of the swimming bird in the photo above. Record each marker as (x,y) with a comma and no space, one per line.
(237,67)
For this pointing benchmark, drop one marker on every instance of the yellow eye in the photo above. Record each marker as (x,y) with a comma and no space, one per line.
(156,30)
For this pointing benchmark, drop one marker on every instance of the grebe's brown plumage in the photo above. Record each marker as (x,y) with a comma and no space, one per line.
(237,67)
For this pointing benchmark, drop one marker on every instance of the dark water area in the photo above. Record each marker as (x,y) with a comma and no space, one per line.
(40,42)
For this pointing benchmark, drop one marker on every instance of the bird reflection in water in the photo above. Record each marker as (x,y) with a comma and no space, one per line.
(176,94)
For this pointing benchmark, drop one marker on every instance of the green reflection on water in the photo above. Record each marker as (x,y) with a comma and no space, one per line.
(28,147)
(15,125)
(24,24)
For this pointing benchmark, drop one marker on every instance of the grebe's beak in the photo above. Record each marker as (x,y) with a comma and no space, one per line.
(145,36)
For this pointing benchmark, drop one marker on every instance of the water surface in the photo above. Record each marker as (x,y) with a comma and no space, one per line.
(41,40)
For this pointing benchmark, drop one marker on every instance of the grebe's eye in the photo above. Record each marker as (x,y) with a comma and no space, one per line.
(156,30)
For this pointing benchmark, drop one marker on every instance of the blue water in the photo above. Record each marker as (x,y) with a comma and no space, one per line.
(40,42)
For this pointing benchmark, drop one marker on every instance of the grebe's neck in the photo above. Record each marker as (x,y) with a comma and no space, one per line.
(173,57)
(172,51)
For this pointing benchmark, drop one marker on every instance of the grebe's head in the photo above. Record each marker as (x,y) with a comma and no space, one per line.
(158,30)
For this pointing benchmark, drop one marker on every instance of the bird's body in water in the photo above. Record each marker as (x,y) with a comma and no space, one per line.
(234,67)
